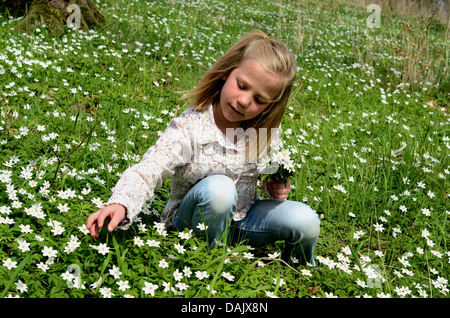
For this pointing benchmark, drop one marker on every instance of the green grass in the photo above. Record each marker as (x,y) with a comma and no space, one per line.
(79,108)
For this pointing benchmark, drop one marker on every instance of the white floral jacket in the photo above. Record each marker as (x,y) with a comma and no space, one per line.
(191,148)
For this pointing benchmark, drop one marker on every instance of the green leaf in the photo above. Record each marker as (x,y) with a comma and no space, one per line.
(120,257)
(14,275)
(105,264)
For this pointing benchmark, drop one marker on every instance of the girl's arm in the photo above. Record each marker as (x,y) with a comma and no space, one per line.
(138,183)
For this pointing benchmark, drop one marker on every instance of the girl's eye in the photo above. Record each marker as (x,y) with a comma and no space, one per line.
(258,101)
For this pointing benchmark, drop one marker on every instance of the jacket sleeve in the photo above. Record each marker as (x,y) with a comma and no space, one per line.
(137,184)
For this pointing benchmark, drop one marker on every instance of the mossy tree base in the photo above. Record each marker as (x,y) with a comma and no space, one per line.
(54,14)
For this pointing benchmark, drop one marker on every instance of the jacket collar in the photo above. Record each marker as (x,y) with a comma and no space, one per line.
(210,133)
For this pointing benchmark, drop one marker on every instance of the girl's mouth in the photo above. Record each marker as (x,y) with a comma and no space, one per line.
(237,112)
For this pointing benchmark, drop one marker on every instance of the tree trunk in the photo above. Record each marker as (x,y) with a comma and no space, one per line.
(53,13)
(15,8)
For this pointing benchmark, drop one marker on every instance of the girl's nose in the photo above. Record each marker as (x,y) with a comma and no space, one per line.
(244,100)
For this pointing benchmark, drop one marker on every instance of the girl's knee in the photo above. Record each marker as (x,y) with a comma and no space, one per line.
(221,192)
(305,222)
(219,180)
(313,226)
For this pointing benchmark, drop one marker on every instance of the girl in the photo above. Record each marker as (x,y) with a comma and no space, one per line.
(246,90)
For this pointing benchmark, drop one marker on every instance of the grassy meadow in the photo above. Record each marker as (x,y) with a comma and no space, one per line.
(367,124)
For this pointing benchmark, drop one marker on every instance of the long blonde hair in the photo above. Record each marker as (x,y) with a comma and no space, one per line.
(273,56)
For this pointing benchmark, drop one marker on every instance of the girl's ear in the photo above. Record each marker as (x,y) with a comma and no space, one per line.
(226,75)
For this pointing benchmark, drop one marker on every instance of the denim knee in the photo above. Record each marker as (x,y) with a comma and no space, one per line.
(304,223)
(220,193)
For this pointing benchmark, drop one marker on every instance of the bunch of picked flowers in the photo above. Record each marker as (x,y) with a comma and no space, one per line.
(277,166)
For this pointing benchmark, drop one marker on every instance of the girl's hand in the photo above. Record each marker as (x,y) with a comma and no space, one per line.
(114,212)
(279,189)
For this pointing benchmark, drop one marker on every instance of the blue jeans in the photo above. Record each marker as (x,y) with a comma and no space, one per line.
(212,202)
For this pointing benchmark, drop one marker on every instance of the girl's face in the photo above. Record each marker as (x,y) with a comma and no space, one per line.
(246,93)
